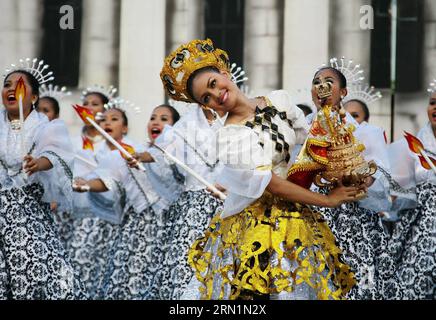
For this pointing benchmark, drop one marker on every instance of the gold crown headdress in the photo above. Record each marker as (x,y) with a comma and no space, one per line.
(35,68)
(53,91)
(363,93)
(109,92)
(187,59)
(432,87)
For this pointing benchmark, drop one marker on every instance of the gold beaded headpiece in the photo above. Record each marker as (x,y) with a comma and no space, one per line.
(187,59)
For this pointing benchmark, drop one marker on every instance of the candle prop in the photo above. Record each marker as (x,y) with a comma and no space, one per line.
(416,146)
(86,115)
(20,93)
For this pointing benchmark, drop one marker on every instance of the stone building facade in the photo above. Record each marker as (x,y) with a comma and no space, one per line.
(123,42)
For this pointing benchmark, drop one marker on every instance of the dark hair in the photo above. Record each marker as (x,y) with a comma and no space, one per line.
(306,109)
(190,81)
(34,84)
(123,115)
(340,75)
(103,98)
(364,108)
(54,104)
(174,113)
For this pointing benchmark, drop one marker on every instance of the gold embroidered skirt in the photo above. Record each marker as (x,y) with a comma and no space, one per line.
(272,247)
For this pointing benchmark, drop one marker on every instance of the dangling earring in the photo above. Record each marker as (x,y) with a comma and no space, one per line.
(214,114)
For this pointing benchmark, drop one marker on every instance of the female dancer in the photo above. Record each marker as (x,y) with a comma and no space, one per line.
(356,225)
(93,227)
(33,261)
(263,243)
(413,241)
(134,256)
(193,141)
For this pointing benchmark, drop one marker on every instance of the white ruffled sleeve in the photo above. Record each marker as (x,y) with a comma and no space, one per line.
(283,102)
(53,142)
(110,205)
(247,170)
(373,138)
(130,187)
(402,182)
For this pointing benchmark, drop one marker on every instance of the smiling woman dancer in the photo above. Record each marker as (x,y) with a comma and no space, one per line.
(266,242)
(35,162)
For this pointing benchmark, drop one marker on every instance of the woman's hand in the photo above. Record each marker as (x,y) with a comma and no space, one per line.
(132,162)
(80,185)
(53,206)
(139,157)
(30,165)
(220,188)
(369,181)
(341,194)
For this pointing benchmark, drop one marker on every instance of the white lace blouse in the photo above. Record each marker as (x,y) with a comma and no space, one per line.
(250,152)
(42,139)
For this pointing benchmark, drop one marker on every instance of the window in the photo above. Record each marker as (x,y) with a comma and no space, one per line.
(61,48)
(224,24)
(409,45)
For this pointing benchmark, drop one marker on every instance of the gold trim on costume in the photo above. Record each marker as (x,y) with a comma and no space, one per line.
(250,249)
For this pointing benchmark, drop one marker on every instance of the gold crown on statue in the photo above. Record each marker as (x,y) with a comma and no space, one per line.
(187,59)
(432,87)
(35,68)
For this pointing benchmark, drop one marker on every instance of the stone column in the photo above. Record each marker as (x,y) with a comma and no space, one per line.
(349,40)
(20,30)
(306,41)
(100,42)
(185,22)
(142,51)
(263,42)
(429,41)
(346,37)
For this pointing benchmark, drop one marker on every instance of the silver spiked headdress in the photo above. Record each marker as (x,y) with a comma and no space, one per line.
(37,69)
(432,86)
(364,93)
(108,92)
(53,91)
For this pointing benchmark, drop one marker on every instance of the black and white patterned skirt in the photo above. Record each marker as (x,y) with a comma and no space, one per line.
(134,257)
(88,247)
(187,220)
(363,240)
(413,246)
(33,261)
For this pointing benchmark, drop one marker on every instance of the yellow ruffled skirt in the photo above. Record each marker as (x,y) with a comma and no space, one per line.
(272,247)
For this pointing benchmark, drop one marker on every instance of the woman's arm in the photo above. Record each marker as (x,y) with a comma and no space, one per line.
(293,192)
(95,185)
(140,157)
(33,165)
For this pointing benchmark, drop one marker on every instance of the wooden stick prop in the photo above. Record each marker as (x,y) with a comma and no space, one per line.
(221,195)
(86,115)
